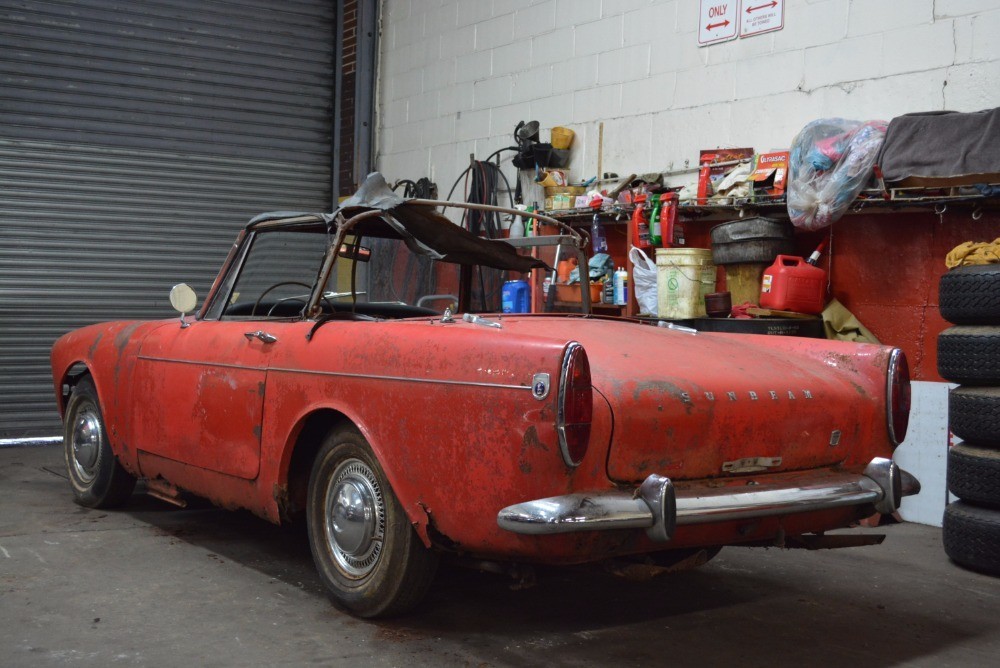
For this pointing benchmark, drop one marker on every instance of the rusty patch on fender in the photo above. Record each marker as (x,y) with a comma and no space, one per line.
(125,335)
(286,508)
(663,389)
(93,346)
(528,443)
(531,441)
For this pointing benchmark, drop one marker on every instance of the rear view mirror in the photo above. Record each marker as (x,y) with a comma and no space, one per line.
(356,253)
(183,299)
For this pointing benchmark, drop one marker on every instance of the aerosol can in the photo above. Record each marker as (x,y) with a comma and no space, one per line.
(621,286)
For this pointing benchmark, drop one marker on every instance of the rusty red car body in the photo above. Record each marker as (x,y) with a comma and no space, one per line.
(450,435)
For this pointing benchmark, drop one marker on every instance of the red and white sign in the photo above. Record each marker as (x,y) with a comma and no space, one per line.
(760,16)
(718,21)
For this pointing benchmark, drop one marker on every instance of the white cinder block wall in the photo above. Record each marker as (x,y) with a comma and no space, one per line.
(457,75)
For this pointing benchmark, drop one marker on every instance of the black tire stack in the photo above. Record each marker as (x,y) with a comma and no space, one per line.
(969,354)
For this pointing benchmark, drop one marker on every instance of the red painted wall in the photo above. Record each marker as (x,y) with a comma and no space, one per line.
(885,267)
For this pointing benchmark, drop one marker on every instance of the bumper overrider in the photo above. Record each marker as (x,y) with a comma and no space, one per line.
(659,505)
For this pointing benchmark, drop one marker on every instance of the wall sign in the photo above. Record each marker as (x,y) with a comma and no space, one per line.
(760,16)
(718,21)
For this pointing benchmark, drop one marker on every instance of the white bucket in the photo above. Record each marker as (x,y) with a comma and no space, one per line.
(683,277)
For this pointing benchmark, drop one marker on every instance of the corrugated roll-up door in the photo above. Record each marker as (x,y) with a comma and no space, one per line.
(136,139)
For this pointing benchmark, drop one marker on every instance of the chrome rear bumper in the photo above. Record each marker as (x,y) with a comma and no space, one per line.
(659,505)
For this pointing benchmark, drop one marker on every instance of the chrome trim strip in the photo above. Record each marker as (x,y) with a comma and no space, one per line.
(894,358)
(149,358)
(307,372)
(707,502)
(435,381)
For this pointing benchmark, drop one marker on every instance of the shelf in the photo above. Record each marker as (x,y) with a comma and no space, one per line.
(542,241)
(872,203)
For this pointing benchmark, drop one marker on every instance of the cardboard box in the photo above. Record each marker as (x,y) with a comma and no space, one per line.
(769,177)
(714,164)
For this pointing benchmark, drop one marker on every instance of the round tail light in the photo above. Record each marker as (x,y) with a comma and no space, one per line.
(898,396)
(576,405)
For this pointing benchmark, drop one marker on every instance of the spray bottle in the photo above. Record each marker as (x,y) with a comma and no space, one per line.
(670,229)
(654,221)
(597,237)
(640,226)
(517,226)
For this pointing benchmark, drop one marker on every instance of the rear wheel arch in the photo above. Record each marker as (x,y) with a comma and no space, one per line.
(363,543)
(301,451)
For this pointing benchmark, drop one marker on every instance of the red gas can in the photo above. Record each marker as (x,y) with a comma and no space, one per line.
(791,284)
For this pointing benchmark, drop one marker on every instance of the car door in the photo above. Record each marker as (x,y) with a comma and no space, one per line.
(199,389)
(199,394)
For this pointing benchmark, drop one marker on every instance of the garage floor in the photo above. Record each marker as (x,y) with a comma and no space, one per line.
(158,586)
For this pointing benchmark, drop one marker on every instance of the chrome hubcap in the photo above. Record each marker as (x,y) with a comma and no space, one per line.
(355,518)
(86,444)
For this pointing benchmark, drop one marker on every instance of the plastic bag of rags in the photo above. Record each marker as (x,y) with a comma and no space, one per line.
(597,267)
(831,162)
(644,279)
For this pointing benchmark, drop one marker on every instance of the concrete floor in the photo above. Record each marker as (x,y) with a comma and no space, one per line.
(153,585)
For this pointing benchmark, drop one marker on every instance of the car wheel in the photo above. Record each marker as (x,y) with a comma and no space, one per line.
(98,480)
(972,537)
(974,474)
(974,414)
(970,355)
(367,553)
(971,295)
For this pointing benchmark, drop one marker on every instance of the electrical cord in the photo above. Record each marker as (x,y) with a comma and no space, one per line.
(482,181)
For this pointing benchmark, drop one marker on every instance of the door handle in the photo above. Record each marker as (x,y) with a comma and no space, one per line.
(262,335)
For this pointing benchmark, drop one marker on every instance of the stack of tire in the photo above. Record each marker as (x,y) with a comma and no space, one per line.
(969,354)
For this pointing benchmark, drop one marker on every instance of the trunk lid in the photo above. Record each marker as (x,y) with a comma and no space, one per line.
(692,406)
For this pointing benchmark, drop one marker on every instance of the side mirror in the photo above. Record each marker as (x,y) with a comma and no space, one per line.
(183,299)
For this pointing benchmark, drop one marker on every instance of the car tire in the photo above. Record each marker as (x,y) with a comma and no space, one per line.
(971,295)
(972,537)
(974,474)
(974,414)
(970,355)
(97,478)
(372,562)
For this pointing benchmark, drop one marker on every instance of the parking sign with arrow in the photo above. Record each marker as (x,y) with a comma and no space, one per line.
(718,21)
(759,16)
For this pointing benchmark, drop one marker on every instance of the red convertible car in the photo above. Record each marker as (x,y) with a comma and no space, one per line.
(316,380)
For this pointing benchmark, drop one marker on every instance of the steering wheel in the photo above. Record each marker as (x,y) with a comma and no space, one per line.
(253,311)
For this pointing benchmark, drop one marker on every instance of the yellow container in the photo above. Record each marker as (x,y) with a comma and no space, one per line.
(683,277)
(562,138)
